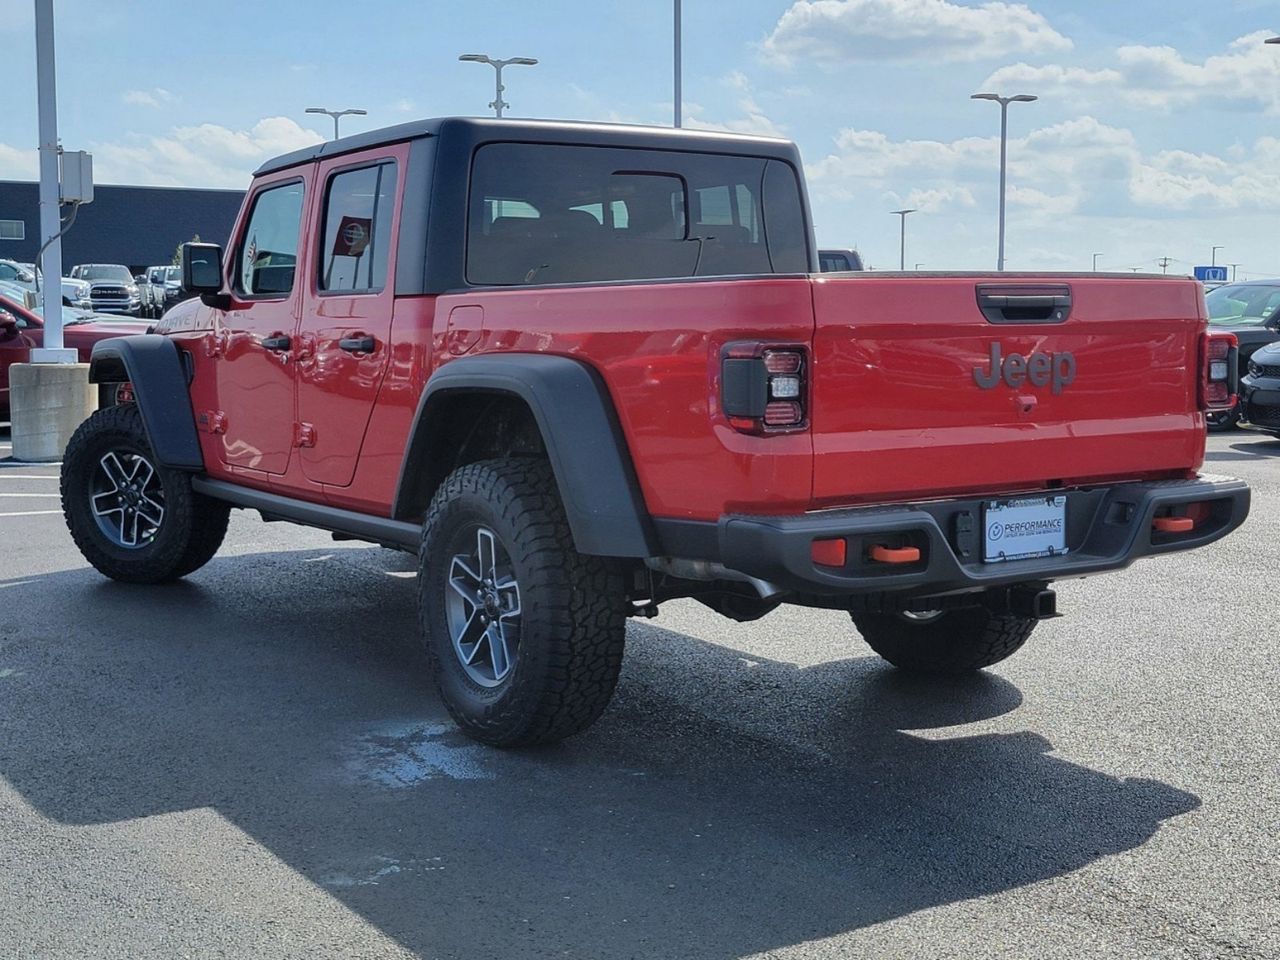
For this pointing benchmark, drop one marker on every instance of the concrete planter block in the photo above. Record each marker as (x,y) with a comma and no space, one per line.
(47,402)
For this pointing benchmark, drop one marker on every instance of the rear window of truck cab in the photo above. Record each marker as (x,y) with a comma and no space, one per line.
(549,213)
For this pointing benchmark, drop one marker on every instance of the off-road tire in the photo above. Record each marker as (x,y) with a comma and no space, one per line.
(955,641)
(572,622)
(193,525)
(1224,422)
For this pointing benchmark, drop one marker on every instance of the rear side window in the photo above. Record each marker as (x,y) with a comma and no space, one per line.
(357,229)
(268,254)
(548,213)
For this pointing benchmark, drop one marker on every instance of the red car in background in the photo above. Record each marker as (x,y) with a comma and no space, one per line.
(21,329)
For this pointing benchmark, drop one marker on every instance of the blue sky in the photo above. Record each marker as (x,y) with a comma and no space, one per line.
(1157,132)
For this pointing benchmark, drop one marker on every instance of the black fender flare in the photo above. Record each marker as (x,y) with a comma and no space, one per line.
(580,431)
(160,376)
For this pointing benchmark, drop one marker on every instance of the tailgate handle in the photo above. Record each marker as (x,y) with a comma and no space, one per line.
(1011,303)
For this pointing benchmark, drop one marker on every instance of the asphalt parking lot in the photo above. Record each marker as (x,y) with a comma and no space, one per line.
(252,764)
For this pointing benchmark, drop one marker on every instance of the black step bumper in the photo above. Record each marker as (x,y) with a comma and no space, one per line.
(1107,529)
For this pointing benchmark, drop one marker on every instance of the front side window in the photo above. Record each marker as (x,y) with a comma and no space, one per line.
(549,213)
(357,229)
(267,257)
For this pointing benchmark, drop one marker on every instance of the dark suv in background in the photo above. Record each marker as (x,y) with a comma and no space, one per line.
(1251,311)
(112,288)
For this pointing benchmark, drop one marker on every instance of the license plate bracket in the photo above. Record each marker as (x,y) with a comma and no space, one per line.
(1024,528)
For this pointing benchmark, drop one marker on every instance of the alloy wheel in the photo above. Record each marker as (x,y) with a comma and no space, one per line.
(483,609)
(127,499)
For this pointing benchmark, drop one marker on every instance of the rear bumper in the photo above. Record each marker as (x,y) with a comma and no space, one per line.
(1107,529)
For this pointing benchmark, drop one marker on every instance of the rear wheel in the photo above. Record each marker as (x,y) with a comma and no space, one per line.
(134,520)
(524,634)
(944,641)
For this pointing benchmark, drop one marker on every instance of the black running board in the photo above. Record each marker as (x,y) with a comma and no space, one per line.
(347,523)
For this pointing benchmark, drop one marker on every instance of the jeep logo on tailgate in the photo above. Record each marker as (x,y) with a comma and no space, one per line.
(1039,369)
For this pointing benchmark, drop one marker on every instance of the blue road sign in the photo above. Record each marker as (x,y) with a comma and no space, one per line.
(1211,274)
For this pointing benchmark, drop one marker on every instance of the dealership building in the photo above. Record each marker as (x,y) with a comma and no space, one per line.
(136,226)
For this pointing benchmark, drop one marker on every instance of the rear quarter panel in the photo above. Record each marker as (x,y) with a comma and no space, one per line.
(657,347)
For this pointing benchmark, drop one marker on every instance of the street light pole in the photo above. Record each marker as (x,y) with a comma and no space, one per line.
(498,103)
(1004,144)
(1213,256)
(336,114)
(52,350)
(902,247)
(1095,262)
(678,62)
(1233,271)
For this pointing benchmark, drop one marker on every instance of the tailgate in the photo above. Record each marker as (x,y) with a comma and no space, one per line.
(930,386)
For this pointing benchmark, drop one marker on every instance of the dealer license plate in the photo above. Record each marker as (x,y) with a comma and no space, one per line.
(1021,529)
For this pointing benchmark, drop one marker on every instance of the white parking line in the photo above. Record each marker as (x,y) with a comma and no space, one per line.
(32,513)
(26,476)
(28,496)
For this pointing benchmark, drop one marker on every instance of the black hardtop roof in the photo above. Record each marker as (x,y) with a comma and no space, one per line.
(482,129)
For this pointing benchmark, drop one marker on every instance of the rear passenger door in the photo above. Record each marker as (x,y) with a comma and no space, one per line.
(345,328)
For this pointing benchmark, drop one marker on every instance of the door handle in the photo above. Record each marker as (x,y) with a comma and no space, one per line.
(358,344)
(277,342)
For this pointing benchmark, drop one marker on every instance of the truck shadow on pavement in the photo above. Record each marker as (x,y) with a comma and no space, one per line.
(724,806)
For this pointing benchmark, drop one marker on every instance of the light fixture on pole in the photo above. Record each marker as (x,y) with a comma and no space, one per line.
(336,114)
(1213,254)
(1095,262)
(1233,271)
(498,103)
(1004,141)
(902,249)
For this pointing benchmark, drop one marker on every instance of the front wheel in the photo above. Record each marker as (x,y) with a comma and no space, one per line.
(133,519)
(944,641)
(524,633)
(1222,421)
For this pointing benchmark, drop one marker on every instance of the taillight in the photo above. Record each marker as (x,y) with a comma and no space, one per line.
(1219,374)
(763,387)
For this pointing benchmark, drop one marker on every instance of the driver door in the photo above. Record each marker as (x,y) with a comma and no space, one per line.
(254,338)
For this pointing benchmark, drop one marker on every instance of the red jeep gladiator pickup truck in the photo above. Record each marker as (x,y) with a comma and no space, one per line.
(583,369)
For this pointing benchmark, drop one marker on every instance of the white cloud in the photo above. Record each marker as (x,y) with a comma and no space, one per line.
(156,97)
(834,32)
(1081,166)
(752,121)
(938,199)
(1159,78)
(17,164)
(207,155)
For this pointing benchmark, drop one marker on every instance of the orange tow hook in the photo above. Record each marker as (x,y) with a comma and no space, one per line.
(883,554)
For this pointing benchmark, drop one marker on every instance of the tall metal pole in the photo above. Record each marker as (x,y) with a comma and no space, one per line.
(50,215)
(902,243)
(1213,258)
(498,102)
(1095,262)
(1004,148)
(678,94)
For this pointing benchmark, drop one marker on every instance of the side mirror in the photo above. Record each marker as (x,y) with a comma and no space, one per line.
(202,273)
(8,325)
